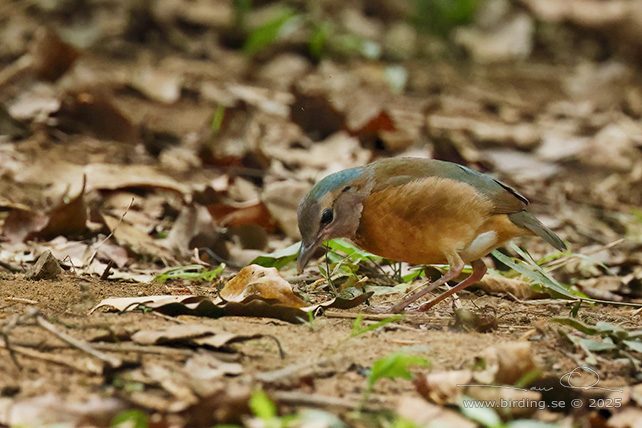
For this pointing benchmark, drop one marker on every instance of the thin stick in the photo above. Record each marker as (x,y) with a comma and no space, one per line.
(111,233)
(82,345)
(297,398)
(5,335)
(292,371)
(540,301)
(55,359)
(10,267)
(21,300)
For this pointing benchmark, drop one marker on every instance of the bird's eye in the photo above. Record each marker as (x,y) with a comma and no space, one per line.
(326,216)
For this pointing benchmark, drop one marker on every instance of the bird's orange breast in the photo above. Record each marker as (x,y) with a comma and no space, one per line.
(425,221)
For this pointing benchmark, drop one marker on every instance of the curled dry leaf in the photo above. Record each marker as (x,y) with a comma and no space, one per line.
(252,306)
(451,387)
(66,219)
(494,284)
(264,282)
(190,334)
(93,111)
(52,409)
(442,387)
(134,238)
(282,200)
(423,413)
(50,55)
(506,363)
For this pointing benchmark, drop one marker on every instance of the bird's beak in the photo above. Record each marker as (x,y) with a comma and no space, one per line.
(305,253)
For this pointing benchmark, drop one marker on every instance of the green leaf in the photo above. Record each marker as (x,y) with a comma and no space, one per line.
(403,423)
(538,276)
(278,258)
(440,16)
(576,309)
(523,423)
(217,119)
(350,250)
(241,9)
(483,415)
(612,330)
(634,345)
(130,419)
(262,407)
(318,418)
(394,366)
(318,39)
(263,36)
(577,325)
(359,329)
(596,346)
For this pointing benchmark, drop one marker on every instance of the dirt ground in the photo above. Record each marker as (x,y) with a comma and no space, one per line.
(136,137)
(321,368)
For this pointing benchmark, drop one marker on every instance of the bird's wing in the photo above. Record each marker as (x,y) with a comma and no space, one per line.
(397,172)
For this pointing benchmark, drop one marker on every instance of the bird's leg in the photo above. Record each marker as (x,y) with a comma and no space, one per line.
(451,274)
(479,269)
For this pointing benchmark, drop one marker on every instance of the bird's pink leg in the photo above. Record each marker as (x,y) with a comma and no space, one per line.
(451,274)
(479,270)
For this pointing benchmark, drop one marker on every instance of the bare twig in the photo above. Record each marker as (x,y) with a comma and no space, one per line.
(55,359)
(15,69)
(5,336)
(21,300)
(9,326)
(79,344)
(111,233)
(10,267)
(107,271)
(317,367)
(540,301)
(298,398)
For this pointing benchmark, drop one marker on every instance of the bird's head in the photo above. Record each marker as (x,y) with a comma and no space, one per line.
(332,209)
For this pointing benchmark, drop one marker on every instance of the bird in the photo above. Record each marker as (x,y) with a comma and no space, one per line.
(420,211)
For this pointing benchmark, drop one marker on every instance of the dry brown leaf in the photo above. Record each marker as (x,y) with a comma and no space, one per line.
(112,177)
(264,282)
(51,56)
(20,224)
(251,306)
(202,369)
(282,200)
(629,417)
(137,240)
(423,413)
(194,227)
(66,219)
(506,363)
(441,387)
(495,284)
(186,334)
(174,334)
(93,110)
(157,84)
(256,213)
(52,409)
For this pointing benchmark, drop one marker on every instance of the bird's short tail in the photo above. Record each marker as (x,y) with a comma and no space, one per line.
(528,221)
